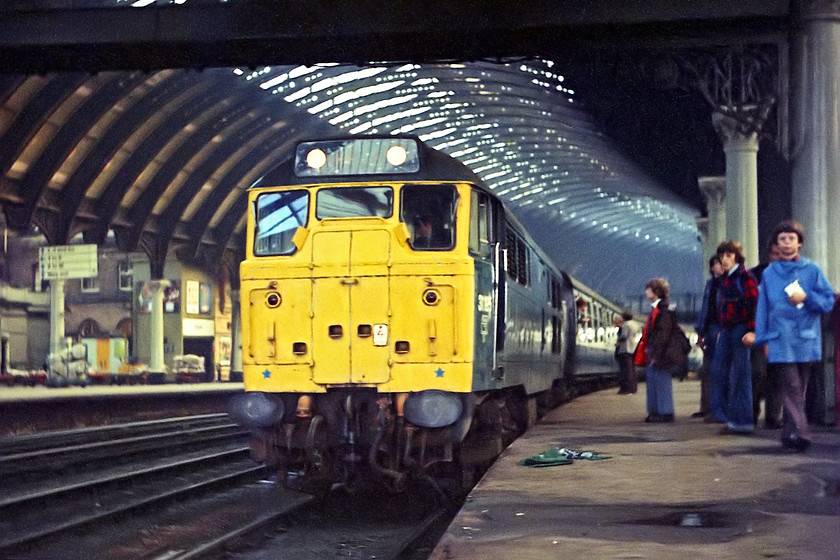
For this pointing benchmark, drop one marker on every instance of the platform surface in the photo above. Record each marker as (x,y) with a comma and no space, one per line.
(669,491)
(42,393)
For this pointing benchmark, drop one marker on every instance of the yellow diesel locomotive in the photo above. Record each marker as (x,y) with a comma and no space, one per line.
(391,306)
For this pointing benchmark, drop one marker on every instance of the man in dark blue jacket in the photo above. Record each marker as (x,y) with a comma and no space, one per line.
(707,331)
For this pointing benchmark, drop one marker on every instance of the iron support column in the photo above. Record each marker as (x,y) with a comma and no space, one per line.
(816,134)
(57,342)
(157,363)
(713,190)
(741,150)
(235,336)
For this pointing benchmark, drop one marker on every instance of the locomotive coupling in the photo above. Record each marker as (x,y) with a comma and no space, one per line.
(255,409)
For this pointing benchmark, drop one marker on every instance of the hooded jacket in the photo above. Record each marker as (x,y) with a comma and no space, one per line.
(792,334)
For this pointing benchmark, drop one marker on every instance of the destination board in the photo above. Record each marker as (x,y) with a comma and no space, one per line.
(61,262)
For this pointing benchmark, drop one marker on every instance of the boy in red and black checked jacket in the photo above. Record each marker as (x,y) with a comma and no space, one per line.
(731,378)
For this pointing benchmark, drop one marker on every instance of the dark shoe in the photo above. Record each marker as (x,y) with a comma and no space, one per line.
(713,420)
(727,431)
(659,418)
(698,414)
(772,425)
(800,445)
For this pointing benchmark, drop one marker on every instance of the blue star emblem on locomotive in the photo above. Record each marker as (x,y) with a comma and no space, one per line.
(438,372)
(266,374)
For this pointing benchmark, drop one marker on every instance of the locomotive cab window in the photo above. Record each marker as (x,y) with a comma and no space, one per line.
(429,212)
(481,220)
(278,215)
(354,202)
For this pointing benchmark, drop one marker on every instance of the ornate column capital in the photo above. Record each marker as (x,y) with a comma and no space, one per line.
(713,188)
(738,81)
(736,133)
(159,284)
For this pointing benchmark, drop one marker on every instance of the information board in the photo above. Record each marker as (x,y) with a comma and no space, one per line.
(60,262)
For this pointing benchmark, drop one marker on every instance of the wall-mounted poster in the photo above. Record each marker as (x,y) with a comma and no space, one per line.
(205,303)
(191,297)
(225,348)
(171,297)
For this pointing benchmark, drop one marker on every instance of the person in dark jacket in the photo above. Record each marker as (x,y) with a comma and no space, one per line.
(765,377)
(707,331)
(731,379)
(659,353)
(794,294)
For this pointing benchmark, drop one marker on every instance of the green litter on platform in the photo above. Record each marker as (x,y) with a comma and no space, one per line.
(554,456)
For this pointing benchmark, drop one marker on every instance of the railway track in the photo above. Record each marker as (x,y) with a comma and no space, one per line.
(65,485)
(183,489)
(401,526)
(172,489)
(186,488)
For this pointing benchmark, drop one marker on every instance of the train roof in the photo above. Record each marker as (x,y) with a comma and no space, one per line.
(434,165)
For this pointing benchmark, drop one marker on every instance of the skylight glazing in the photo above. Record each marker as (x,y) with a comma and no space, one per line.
(518,127)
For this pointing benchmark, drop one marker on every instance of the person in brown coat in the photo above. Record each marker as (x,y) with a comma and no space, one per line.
(659,353)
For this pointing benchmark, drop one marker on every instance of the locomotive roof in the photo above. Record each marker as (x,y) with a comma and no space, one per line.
(434,166)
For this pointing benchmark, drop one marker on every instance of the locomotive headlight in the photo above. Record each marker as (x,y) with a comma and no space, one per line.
(316,159)
(273,299)
(396,155)
(255,409)
(433,408)
(431,297)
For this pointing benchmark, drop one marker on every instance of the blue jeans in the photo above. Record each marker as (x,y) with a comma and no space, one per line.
(660,393)
(731,380)
(709,342)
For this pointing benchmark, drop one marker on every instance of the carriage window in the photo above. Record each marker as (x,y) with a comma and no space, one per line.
(279,214)
(429,212)
(480,224)
(355,202)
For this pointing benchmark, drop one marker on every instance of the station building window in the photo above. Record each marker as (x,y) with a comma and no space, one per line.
(90,285)
(125,281)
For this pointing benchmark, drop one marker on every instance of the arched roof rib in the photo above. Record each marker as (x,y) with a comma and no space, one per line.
(211,118)
(131,178)
(165,159)
(108,92)
(81,188)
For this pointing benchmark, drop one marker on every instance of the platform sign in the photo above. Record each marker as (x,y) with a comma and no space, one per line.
(60,262)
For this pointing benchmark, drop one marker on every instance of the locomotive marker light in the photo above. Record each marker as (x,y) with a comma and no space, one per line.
(433,408)
(431,297)
(273,299)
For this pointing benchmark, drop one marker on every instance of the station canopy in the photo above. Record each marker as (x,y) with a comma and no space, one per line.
(162,160)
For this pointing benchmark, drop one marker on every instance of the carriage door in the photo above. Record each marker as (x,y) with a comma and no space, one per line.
(350,306)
